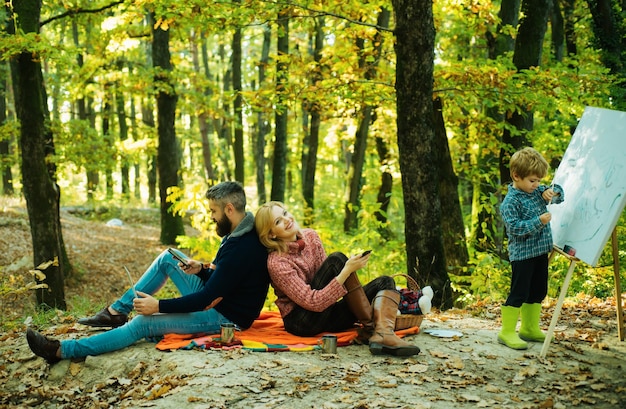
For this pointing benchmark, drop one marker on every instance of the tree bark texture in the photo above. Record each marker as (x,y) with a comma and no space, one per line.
(609,29)
(570,26)
(5,145)
(418,155)
(238,106)
(486,225)
(527,54)
(557,25)
(279,168)
(38,173)
(168,156)
(383,198)
(205,125)
(262,121)
(120,108)
(311,140)
(452,226)
(366,118)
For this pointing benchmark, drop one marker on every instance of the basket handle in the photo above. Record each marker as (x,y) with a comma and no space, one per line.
(410,281)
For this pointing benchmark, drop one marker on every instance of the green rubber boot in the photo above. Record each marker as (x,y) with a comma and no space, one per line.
(507,335)
(529,329)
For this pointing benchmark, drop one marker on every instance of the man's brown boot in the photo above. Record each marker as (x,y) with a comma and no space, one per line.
(385,340)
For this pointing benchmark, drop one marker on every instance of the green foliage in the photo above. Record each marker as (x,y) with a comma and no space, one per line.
(487,277)
(14,288)
(477,93)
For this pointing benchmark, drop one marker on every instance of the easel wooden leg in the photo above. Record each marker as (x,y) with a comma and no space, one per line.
(618,286)
(557,308)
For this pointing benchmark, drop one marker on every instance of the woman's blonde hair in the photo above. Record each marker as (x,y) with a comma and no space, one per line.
(263,221)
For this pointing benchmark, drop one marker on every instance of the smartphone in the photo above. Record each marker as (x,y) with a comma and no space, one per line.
(180,256)
(365,253)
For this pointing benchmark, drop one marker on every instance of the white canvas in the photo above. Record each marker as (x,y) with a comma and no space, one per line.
(593,176)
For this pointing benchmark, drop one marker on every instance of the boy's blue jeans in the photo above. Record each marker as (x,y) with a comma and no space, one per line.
(148,326)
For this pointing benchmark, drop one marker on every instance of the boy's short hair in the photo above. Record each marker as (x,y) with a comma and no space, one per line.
(527,162)
(228,192)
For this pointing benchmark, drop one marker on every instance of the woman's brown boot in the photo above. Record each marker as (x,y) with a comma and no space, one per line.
(385,340)
(360,306)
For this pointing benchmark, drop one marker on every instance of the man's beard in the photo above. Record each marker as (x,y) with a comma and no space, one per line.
(223,226)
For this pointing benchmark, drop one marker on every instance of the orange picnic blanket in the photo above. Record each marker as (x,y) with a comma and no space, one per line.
(267,333)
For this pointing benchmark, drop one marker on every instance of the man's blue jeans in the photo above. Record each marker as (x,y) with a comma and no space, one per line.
(148,326)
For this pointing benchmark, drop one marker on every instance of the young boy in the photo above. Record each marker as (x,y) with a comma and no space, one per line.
(526,218)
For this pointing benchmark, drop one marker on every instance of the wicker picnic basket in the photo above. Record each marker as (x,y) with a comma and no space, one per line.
(404,321)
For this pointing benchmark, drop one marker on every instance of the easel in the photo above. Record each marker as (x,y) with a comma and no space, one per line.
(572,265)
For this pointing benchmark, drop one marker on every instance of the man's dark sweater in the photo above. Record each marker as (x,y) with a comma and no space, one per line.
(239,275)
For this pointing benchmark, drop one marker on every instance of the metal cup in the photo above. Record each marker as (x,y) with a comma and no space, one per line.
(227,334)
(329,344)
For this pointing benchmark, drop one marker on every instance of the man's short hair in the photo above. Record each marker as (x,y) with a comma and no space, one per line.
(228,192)
(527,162)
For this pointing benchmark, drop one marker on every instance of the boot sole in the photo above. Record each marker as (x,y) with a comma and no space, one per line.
(521,348)
(530,339)
(380,349)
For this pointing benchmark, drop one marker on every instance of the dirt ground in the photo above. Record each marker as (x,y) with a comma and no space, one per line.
(584,367)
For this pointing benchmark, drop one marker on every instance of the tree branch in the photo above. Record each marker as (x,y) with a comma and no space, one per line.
(320,13)
(76,11)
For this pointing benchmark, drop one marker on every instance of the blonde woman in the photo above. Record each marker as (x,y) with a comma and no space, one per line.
(316,293)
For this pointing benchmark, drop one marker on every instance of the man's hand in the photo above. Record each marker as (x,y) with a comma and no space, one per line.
(194,267)
(146,304)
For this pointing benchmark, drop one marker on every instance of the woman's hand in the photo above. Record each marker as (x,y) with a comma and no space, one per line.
(146,304)
(353,264)
(357,262)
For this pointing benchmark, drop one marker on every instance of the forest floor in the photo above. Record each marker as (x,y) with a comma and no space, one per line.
(585,366)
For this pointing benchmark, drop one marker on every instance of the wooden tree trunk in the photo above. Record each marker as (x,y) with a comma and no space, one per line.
(168,156)
(134,135)
(609,29)
(5,147)
(487,228)
(204,122)
(93,175)
(81,108)
(417,147)
(223,125)
(557,26)
(147,116)
(452,226)
(311,140)
(107,112)
(123,128)
(262,121)
(38,172)
(570,26)
(238,106)
(384,191)
(366,118)
(279,168)
(528,48)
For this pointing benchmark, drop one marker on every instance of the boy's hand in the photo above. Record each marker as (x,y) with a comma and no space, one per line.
(548,194)
(545,218)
